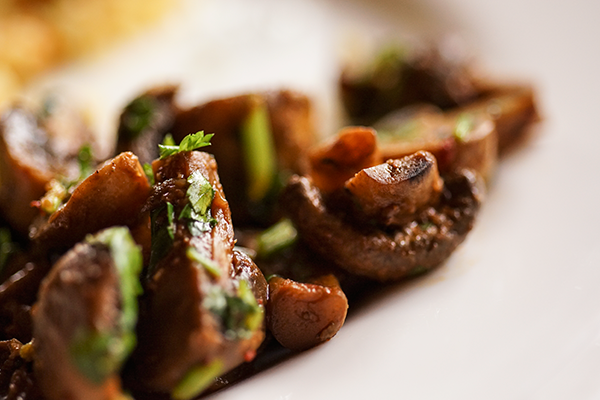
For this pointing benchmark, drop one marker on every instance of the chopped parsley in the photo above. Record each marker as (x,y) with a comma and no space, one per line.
(149,172)
(239,313)
(209,265)
(190,142)
(278,237)
(137,116)
(59,190)
(7,246)
(259,151)
(98,354)
(197,379)
(464,126)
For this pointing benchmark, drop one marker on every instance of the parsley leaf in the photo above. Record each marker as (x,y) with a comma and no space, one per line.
(149,173)
(240,313)
(200,193)
(189,143)
(260,156)
(99,354)
(197,379)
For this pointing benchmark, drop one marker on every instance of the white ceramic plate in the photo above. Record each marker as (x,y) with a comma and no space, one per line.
(515,312)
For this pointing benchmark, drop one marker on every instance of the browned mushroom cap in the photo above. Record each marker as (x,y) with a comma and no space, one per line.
(32,152)
(513,110)
(386,254)
(457,139)
(336,161)
(145,121)
(394,192)
(304,315)
(113,195)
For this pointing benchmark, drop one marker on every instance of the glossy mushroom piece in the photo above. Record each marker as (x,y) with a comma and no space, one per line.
(385,253)
(113,195)
(84,320)
(458,139)
(304,315)
(34,149)
(202,312)
(335,161)
(394,192)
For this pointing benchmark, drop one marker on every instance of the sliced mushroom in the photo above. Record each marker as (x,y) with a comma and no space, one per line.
(458,139)
(84,320)
(385,254)
(145,121)
(337,160)
(257,137)
(203,306)
(394,192)
(513,110)
(31,155)
(304,315)
(113,195)
(397,78)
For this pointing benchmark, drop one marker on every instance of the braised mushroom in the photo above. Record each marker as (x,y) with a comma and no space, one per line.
(338,159)
(113,195)
(394,192)
(399,77)
(203,306)
(381,253)
(84,320)
(32,153)
(304,315)
(458,139)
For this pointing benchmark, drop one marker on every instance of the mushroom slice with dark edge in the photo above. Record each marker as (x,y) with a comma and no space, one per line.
(513,109)
(145,121)
(113,195)
(386,254)
(337,160)
(304,315)
(394,192)
(84,320)
(32,153)
(201,316)
(458,139)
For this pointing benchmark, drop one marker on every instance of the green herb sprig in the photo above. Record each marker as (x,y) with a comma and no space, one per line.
(190,142)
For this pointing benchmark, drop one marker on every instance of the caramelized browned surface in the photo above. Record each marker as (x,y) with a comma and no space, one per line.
(81,294)
(395,191)
(379,254)
(177,331)
(336,161)
(113,195)
(304,315)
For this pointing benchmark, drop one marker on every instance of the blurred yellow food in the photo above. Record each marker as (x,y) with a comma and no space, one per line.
(36,35)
